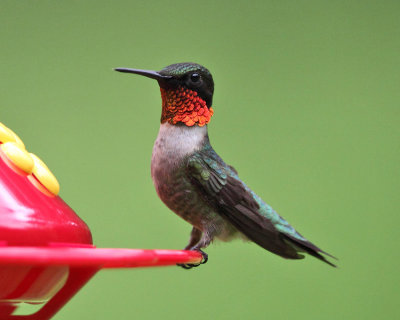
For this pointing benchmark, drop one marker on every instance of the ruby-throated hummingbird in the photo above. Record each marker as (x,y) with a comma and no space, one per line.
(195,183)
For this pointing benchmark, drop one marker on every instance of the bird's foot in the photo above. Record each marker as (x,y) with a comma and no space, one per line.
(194,265)
(204,255)
(187,266)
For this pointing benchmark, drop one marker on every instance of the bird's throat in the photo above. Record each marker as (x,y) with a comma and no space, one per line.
(184,105)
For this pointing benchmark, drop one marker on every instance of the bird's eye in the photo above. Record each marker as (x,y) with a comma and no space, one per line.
(195,77)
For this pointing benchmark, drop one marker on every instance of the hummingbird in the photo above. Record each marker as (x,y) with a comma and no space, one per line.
(194,182)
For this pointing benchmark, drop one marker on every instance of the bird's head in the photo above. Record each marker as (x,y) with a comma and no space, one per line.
(186,91)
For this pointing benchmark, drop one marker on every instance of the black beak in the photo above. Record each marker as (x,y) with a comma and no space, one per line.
(147,73)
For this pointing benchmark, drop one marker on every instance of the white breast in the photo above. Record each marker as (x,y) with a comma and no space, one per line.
(174,143)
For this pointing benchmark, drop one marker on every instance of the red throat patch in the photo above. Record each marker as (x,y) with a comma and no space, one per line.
(184,105)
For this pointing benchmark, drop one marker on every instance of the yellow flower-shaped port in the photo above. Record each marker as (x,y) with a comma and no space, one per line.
(20,160)
(18,156)
(44,175)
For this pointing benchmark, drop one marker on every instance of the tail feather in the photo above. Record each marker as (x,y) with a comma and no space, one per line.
(309,248)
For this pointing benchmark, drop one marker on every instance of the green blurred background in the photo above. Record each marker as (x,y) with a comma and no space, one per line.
(306,108)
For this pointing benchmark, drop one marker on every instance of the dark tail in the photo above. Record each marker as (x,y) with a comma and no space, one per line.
(309,248)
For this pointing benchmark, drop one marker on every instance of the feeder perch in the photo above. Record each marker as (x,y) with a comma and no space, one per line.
(46,250)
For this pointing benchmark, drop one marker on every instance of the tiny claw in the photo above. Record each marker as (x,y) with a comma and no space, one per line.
(185,266)
(191,265)
(188,266)
(204,255)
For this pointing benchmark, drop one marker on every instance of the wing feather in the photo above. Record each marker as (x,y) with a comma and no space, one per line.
(234,201)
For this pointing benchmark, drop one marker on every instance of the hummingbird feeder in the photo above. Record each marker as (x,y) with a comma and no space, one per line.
(46,250)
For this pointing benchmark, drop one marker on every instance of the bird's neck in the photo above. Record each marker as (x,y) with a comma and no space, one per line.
(178,141)
(184,106)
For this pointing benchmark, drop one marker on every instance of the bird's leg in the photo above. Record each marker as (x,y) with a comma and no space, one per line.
(196,242)
(195,237)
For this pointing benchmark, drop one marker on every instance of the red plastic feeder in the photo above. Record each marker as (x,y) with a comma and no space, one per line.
(46,250)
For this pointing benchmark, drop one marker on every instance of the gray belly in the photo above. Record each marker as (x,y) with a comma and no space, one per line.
(178,194)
